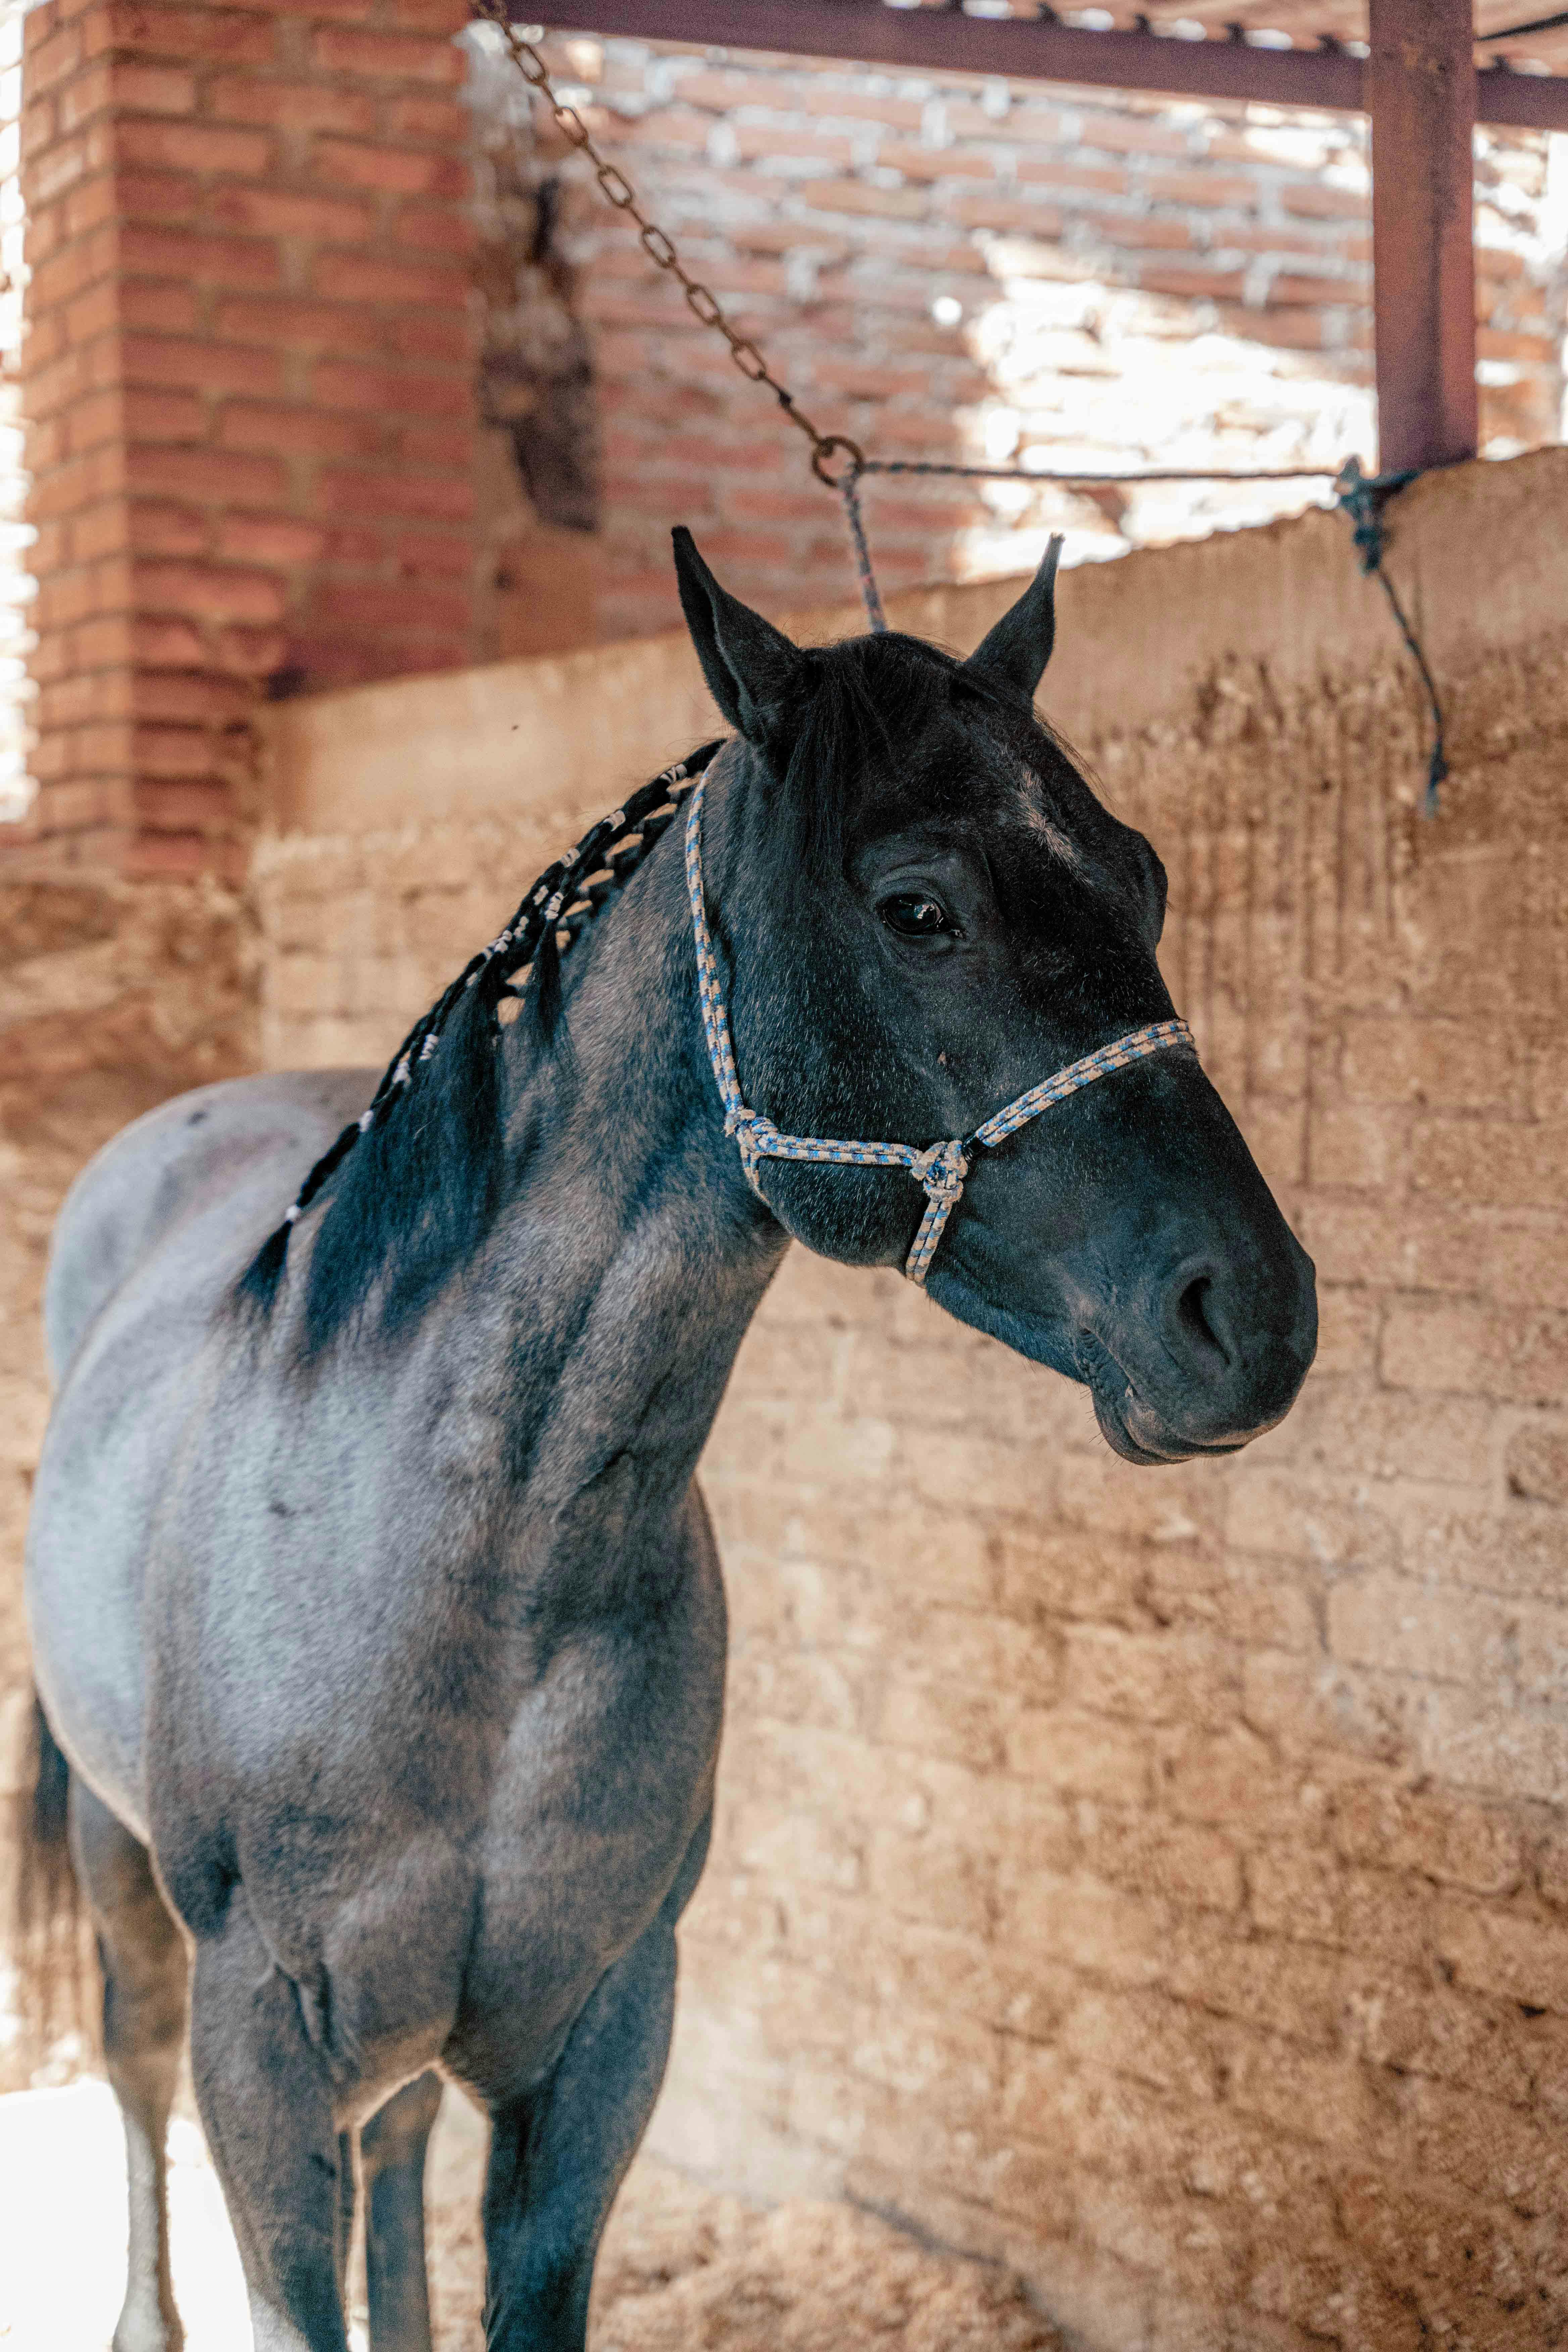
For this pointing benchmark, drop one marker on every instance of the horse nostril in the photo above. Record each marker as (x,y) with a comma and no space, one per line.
(1197,1322)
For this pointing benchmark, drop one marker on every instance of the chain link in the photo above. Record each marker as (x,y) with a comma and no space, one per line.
(660,248)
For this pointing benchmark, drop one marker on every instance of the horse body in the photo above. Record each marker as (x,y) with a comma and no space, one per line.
(387,1647)
(426,1665)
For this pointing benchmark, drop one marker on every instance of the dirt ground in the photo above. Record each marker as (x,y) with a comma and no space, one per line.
(684,2268)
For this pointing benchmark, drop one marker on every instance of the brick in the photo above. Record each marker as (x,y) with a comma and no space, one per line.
(371,604)
(1455,1064)
(1232,1777)
(935,1719)
(268,539)
(194,147)
(1090,1927)
(1538,1464)
(1319,200)
(216,476)
(159,529)
(1490,1163)
(298,105)
(391,171)
(1455,1347)
(422,116)
(386,57)
(182,806)
(853,196)
(396,391)
(191,702)
(162,416)
(1196,284)
(217,592)
(1293,287)
(1466,1736)
(149,195)
(367,278)
(1404,1627)
(155,309)
(298,325)
(1447,1838)
(928,1877)
(433,227)
(1203,188)
(171,857)
(1154,1677)
(1184,1862)
(235,38)
(204,365)
(1039,220)
(1130,135)
(1145,2035)
(269,212)
(151,89)
(257,424)
(1145,233)
(240,262)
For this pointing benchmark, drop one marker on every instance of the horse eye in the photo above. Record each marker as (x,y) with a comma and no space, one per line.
(915,916)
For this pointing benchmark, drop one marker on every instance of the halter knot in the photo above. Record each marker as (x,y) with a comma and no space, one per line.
(755,1136)
(941,1170)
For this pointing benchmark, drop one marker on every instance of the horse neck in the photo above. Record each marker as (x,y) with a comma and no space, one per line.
(630,1256)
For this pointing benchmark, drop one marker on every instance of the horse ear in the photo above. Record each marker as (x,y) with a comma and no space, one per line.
(749,665)
(1019,646)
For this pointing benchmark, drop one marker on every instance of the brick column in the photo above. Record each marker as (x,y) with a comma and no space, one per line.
(250,378)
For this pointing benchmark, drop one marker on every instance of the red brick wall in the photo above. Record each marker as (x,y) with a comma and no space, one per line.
(1138,283)
(249,382)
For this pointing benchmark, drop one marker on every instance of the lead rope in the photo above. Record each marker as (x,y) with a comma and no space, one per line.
(938,1167)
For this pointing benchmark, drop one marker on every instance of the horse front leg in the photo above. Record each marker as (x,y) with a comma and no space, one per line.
(265,2105)
(392,2160)
(559,2155)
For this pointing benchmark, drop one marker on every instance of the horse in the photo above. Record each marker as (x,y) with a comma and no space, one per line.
(375,1607)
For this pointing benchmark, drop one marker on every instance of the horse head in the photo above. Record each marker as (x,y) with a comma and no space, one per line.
(921,909)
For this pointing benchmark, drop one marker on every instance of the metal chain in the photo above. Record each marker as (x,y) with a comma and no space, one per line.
(660,248)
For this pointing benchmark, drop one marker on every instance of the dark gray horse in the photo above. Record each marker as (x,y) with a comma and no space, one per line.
(374,1606)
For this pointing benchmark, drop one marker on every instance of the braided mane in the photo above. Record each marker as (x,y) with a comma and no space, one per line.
(420,1168)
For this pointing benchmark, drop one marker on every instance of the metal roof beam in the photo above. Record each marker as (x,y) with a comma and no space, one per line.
(944,41)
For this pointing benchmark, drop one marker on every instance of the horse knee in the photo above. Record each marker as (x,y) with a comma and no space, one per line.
(396,2133)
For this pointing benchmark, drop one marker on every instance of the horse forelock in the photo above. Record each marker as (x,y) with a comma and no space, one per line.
(866,709)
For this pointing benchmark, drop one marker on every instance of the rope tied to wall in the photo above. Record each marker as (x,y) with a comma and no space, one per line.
(1361,497)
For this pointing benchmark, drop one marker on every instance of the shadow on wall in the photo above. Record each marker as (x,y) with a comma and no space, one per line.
(539,505)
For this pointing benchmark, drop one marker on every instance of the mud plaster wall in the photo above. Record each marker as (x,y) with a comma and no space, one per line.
(1159,1878)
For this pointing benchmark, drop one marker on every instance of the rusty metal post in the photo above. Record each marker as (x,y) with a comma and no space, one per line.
(1421,92)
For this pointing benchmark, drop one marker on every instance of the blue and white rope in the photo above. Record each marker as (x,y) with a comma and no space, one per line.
(938,1167)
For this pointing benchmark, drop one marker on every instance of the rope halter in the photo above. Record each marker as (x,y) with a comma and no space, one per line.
(940,1167)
